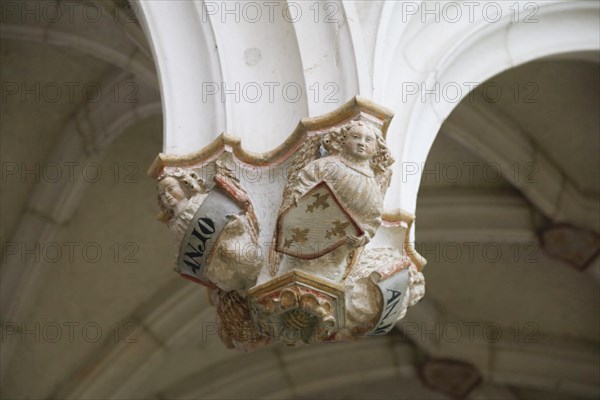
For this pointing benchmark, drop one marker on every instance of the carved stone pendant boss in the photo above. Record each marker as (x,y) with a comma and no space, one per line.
(294,245)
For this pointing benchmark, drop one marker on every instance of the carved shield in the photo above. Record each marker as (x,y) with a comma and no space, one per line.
(317,225)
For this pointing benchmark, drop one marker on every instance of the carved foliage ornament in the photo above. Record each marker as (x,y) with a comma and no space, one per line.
(294,245)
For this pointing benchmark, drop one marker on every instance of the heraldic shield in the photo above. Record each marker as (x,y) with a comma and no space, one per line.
(294,245)
(316,225)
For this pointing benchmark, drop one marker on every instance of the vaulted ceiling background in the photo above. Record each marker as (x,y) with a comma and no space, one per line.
(91,263)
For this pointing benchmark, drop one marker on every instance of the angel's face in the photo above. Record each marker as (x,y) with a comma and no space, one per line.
(171,193)
(361,143)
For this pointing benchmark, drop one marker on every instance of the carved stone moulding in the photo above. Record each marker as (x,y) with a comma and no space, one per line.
(294,245)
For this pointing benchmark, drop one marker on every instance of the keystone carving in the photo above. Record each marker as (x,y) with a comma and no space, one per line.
(294,245)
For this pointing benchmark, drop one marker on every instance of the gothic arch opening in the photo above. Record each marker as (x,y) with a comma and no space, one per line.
(507,208)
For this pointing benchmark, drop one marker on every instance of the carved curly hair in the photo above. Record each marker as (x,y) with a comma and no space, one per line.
(333,143)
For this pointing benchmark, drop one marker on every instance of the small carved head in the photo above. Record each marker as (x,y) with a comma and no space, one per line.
(175,188)
(359,140)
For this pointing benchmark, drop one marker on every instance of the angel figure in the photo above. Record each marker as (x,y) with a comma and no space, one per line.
(180,194)
(356,168)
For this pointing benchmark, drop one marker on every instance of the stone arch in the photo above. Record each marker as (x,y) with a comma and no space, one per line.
(463,54)
(323,60)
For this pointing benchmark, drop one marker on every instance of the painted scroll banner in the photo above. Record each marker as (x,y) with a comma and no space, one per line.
(394,290)
(201,236)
